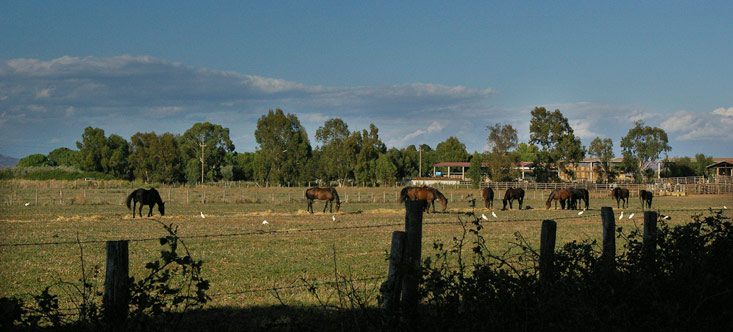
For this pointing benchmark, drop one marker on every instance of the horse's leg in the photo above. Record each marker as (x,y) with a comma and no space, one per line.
(140,210)
(150,211)
(310,206)
(521,200)
(134,205)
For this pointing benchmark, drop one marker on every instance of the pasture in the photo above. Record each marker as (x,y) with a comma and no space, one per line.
(253,264)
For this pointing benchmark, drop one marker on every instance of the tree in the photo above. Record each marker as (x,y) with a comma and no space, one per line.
(644,144)
(527,152)
(214,141)
(115,157)
(558,143)
(501,139)
(333,135)
(34,160)
(474,171)
(410,162)
(370,146)
(385,169)
(64,157)
(701,163)
(603,150)
(143,153)
(90,149)
(284,147)
(452,150)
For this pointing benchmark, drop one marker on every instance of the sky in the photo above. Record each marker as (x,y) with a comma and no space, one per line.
(421,71)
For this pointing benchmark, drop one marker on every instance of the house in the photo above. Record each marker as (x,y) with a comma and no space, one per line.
(721,168)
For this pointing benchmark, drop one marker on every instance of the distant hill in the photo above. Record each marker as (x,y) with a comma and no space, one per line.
(6,161)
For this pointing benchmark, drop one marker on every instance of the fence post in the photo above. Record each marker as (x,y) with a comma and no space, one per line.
(392,288)
(411,280)
(650,236)
(609,237)
(547,250)
(116,282)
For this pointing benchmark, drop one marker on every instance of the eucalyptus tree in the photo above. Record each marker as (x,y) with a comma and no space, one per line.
(501,140)
(603,150)
(558,144)
(284,148)
(332,136)
(205,145)
(643,144)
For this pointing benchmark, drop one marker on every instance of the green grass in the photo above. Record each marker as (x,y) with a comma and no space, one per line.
(242,259)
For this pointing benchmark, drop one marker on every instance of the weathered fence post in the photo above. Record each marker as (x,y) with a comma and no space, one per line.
(116,283)
(650,236)
(392,288)
(609,237)
(413,249)
(547,250)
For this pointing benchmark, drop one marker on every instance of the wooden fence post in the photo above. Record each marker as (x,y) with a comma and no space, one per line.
(411,280)
(392,288)
(609,237)
(547,250)
(116,282)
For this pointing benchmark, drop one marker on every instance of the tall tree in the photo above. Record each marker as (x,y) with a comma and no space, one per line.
(386,170)
(90,149)
(527,152)
(603,150)
(284,147)
(452,150)
(34,160)
(370,148)
(558,143)
(115,157)
(701,163)
(474,171)
(644,144)
(502,138)
(332,136)
(143,158)
(214,141)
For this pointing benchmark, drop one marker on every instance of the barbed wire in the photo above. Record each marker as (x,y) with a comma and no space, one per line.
(310,230)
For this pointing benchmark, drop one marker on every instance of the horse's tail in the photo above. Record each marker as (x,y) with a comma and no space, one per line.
(129,199)
(403,194)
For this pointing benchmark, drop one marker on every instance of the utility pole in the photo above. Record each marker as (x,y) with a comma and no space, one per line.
(420,167)
(202,144)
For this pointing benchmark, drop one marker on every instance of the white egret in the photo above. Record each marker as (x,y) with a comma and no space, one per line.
(202,215)
(493,214)
(483,216)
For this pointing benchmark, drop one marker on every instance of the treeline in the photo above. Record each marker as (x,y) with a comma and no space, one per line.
(285,155)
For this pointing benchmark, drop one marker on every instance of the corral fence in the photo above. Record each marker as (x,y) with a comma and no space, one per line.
(114,193)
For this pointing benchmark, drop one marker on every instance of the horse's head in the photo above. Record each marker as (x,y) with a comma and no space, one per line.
(338,204)
(547,204)
(161,208)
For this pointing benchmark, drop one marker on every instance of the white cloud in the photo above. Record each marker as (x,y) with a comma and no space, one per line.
(726,112)
(699,126)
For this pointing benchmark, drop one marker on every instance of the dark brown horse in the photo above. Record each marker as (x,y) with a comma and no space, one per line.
(145,197)
(646,197)
(488,195)
(512,194)
(324,194)
(585,196)
(428,194)
(562,195)
(621,194)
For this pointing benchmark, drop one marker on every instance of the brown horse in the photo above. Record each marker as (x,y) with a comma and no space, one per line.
(584,195)
(621,194)
(488,195)
(325,194)
(512,194)
(562,195)
(646,197)
(425,193)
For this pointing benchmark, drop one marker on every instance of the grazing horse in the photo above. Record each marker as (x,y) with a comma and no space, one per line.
(562,195)
(621,194)
(324,194)
(577,196)
(145,197)
(425,193)
(512,194)
(646,197)
(585,196)
(488,195)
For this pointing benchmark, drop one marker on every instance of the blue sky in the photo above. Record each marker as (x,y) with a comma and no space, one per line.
(420,71)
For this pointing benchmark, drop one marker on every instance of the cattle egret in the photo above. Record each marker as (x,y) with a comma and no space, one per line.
(581,212)
(493,214)
(725,207)
(264,222)
(202,215)
(28,203)
(621,216)
(631,216)
(333,218)
(666,217)
(483,216)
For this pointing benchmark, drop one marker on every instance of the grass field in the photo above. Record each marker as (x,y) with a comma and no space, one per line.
(244,259)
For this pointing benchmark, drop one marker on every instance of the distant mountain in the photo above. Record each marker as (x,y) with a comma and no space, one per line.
(6,161)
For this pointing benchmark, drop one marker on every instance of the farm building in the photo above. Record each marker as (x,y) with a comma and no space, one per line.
(722,168)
